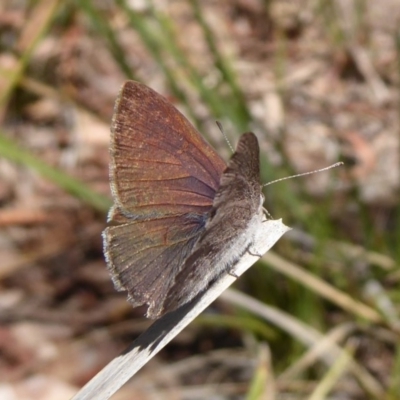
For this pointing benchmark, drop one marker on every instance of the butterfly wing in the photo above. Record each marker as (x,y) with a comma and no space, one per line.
(160,164)
(164,177)
(143,257)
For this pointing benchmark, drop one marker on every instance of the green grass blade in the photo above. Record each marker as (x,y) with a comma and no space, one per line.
(223,65)
(154,46)
(103,27)
(13,152)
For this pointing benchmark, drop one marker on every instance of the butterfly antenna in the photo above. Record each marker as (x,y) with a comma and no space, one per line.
(305,173)
(226,137)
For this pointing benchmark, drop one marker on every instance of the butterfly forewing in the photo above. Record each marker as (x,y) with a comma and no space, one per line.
(160,165)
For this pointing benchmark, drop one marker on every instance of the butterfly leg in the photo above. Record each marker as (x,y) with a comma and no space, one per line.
(269,216)
(232,273)
(255,254)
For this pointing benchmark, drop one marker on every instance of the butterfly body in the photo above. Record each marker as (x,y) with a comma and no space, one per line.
(215,253)
(182,217)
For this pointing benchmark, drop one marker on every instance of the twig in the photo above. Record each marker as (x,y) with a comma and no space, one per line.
(123,367)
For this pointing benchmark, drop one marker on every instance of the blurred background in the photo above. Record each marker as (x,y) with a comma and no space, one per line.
(317,81)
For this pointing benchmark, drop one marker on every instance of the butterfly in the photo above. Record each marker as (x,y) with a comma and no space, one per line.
(182,217)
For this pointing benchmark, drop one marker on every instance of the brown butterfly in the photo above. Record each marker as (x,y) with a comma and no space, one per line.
(179,210)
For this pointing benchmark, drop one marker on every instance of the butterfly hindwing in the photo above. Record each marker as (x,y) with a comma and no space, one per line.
(144,257)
